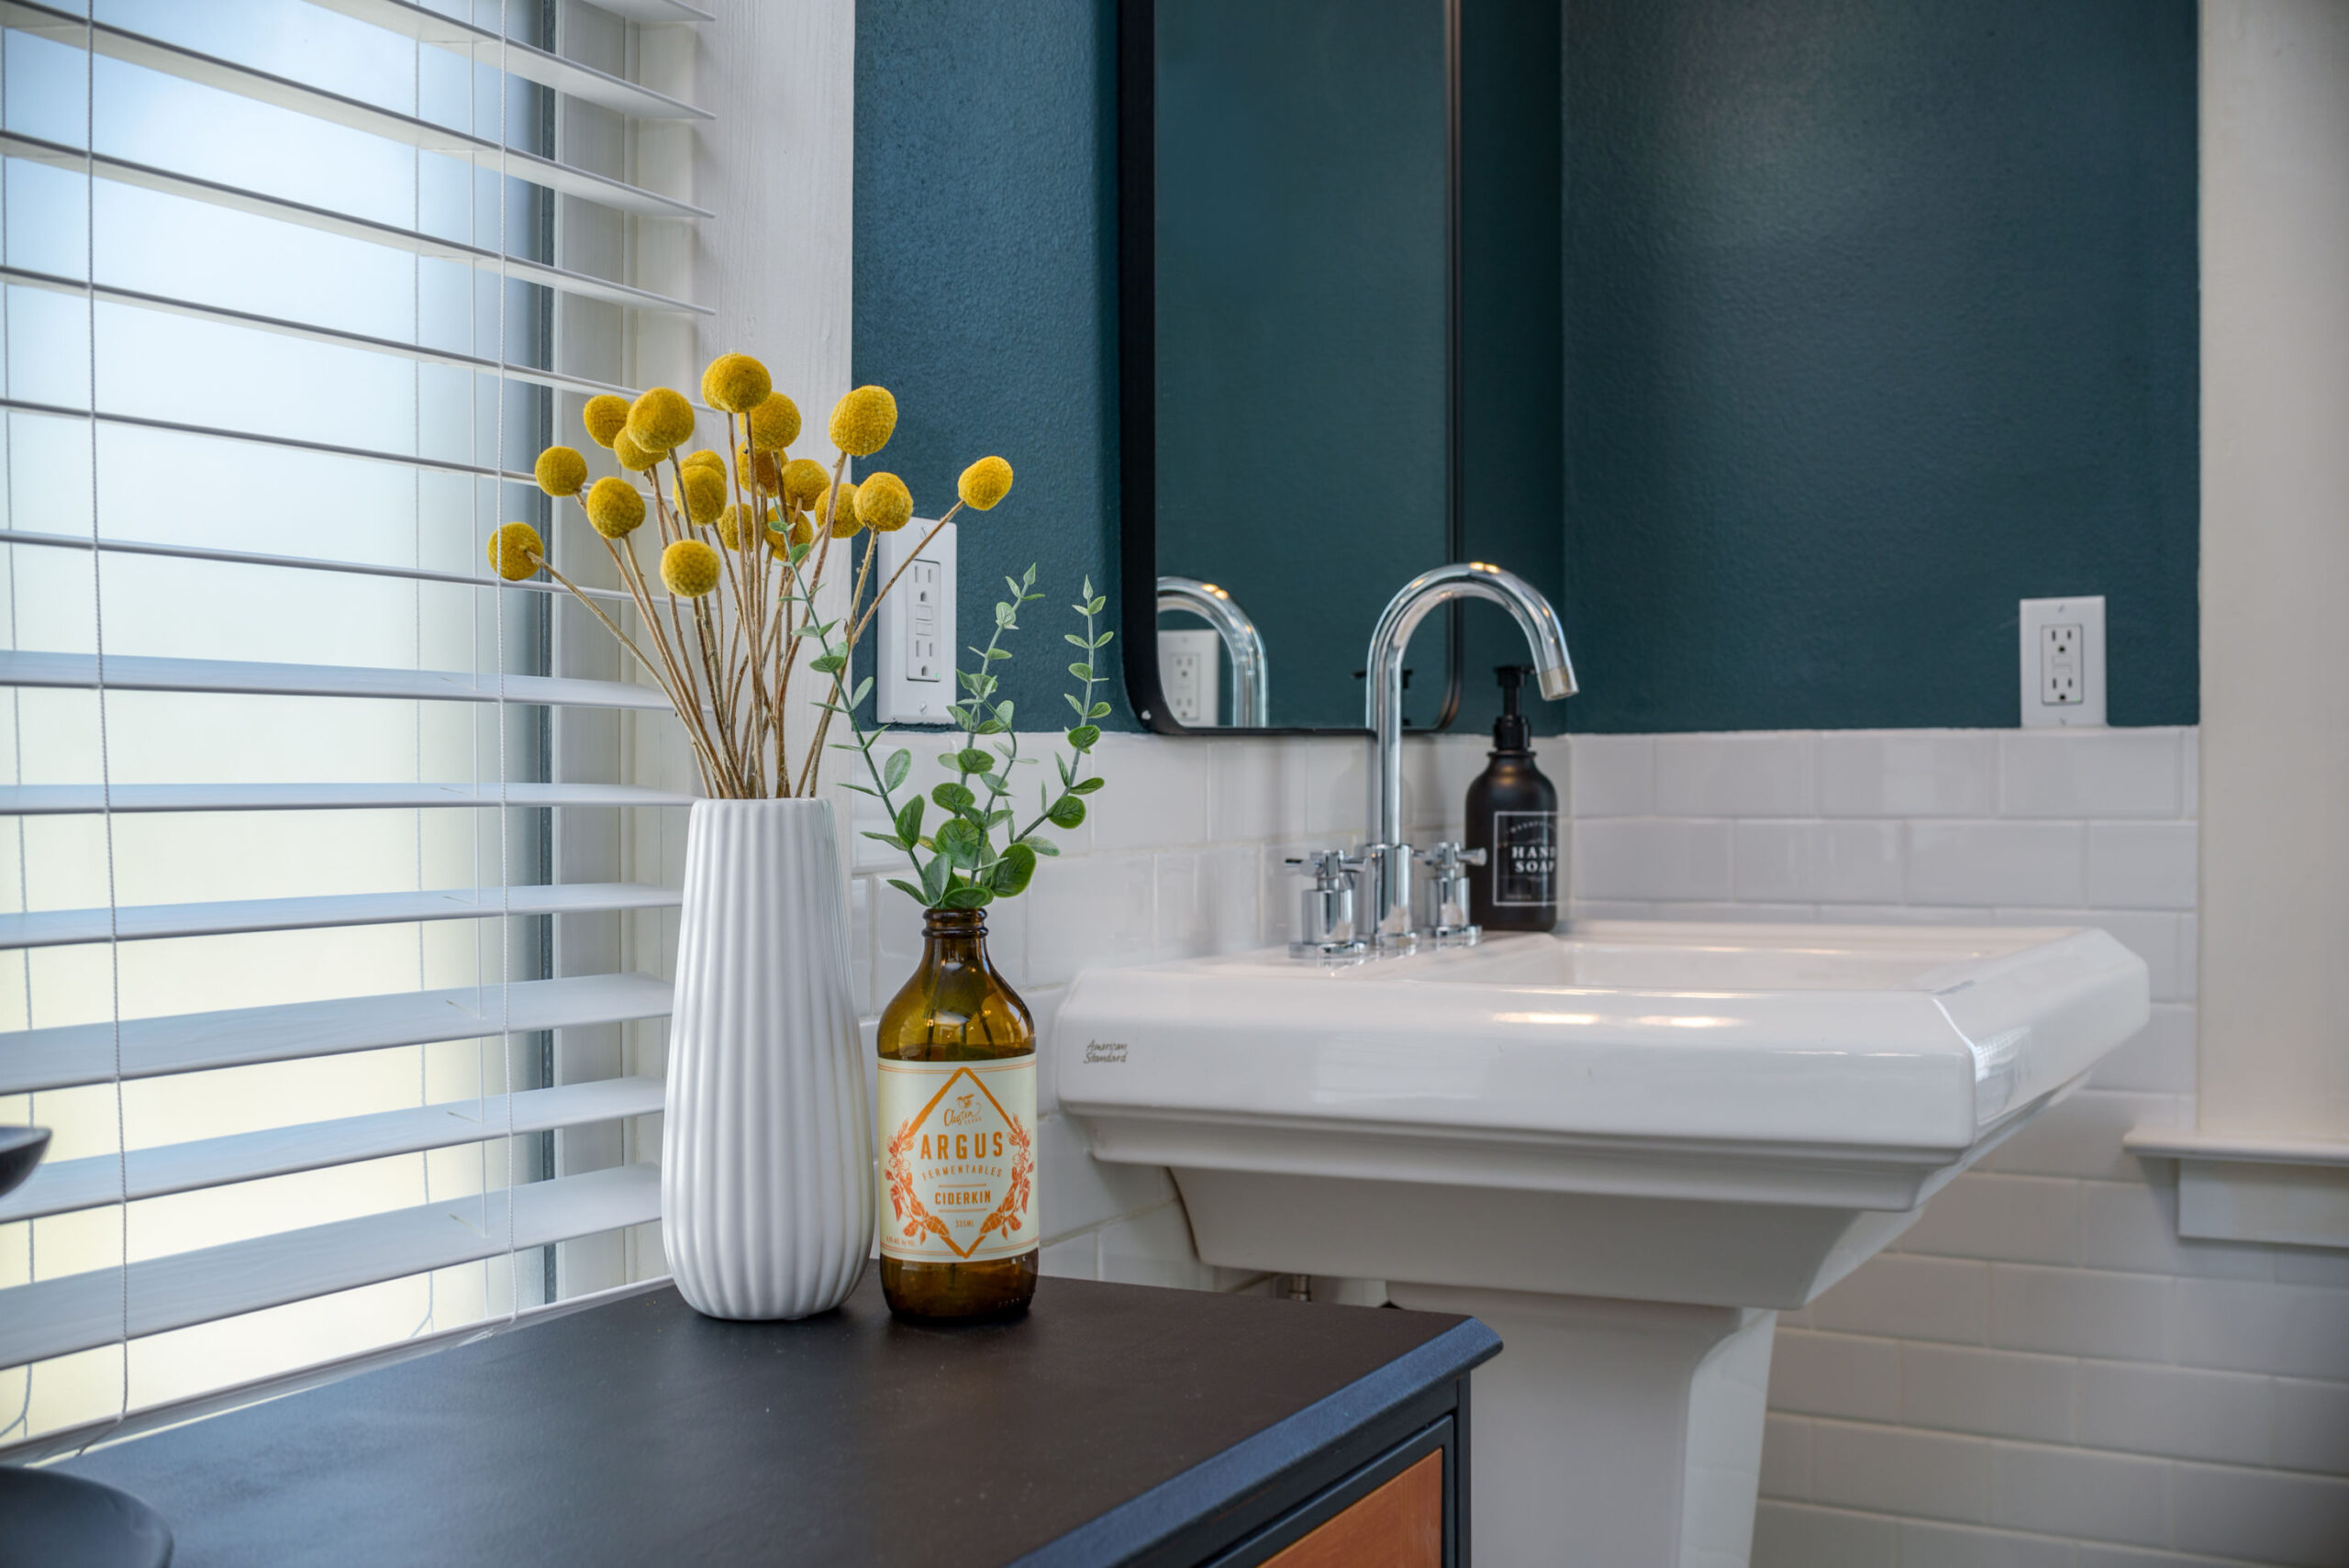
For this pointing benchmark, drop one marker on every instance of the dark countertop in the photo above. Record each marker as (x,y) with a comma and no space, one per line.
(1112,1424)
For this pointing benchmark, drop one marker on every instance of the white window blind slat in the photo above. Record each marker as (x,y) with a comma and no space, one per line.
(295,563)
(98,1180)
(333,108)
(71,1055)
(82,800)
(144,673)
(155,922)
(653,10)
(482,46)
(80,1312)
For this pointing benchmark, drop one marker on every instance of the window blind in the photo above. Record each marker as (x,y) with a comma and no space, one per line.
(322,882)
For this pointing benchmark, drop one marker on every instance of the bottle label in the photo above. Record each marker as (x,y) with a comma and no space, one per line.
(958,1157)
(1525,857)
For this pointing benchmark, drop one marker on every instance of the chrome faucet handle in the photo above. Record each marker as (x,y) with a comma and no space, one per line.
(1444,896)
(1326,911)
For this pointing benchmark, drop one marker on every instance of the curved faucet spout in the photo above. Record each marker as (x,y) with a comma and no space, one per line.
(1553,670)
(1243,645)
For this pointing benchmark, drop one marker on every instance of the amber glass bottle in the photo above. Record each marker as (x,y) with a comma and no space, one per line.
(958,1132)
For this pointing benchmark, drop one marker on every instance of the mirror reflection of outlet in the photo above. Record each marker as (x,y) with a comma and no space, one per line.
(1190,671)
(2062,663)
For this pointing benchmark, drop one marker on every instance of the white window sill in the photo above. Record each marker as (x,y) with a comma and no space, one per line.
(2238,1187)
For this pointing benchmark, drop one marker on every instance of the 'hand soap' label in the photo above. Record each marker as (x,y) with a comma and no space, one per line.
(1525,857)
(958,1157)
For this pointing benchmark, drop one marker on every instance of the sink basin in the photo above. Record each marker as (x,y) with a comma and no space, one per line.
(1623,1148)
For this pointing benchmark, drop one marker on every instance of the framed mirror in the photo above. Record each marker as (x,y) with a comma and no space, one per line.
(1289,337)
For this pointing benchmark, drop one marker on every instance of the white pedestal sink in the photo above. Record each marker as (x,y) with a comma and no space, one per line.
(1624,1150)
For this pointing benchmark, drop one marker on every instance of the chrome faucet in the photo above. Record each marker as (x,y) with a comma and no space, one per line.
(1387,871)
(1243,645)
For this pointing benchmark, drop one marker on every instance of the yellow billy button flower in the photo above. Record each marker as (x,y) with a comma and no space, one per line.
(864,420)
(842,510)
(774,423)
(803,481)
(703,458)
(883,503)
(615,509)
(761,465)
(802,532)
(514,552)
(701,493)
(984,482)
(730,524)
(604,418)
(689,567)
(562,470)
(630,456)
(735,384)
(661,420)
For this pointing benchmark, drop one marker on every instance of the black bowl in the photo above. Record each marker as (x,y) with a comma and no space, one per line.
(20,1150)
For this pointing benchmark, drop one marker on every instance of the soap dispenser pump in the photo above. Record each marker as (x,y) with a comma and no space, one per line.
(1513,818)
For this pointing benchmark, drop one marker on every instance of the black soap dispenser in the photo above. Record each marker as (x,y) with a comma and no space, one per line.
(1513,818)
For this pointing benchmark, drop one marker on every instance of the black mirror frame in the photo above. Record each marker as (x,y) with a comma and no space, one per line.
(1138,375)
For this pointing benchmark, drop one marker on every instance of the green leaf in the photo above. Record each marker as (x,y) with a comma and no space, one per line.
(909,820)
(827,664)
(894,772)
(860,789)
(995,782)
(1084,736)
(1083,642)
(1066,812)
(968,897)
(1004,613)
(1086,787)
(959,842)
(990,726)
(1041,846)
(1075,704)
(863,688)
(1103,640)
(1012,872)
(973,760)
(1087,589)
(1082,671)
(1093,606)
(1003,711)
(892,839)
(992,653)
(909,890)
(999,819)
(934,878)
(953,797)
(1100,710)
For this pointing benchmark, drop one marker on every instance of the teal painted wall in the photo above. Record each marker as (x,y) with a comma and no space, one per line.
(985,295)
(1878,317)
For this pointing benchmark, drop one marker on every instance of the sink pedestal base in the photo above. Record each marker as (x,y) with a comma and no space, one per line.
(1611,1432)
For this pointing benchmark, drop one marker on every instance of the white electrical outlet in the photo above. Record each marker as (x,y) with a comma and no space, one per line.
(1190,671)
(913,681)
(2062,663)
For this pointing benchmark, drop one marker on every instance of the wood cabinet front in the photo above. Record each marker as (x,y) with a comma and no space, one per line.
(1398,1525)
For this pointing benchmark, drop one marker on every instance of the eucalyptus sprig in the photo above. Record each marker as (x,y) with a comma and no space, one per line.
(965,869)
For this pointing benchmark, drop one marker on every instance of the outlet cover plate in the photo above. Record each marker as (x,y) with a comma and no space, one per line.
(2062,658)
(913,677)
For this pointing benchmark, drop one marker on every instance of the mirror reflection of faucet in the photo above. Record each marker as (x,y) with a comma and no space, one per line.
(1380,885)
(1243,651)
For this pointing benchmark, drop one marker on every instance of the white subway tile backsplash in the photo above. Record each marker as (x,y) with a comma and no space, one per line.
(1980,1215)
(1640,858)
(2293,1330)
(2160,1060)
(2312,1426)
(1858,863)
(1898,1471)
(2077,1312)
(2036,863)
(1835,1374)
(2133,1226)
(2073,1492)
(1157,792)
(1786,1454)
(1612,775)
(1790,1535)
(1206,901)
(2107,772)
(1952,773)
(2081,1135)
(2175,1412)
(1960,1546)
(1090,910)
(1737,775)
(2141,865)
(1899,1296)
(2001,1393)
(2263,1516)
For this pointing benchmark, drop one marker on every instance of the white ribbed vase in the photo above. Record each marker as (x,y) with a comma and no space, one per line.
(766,1170)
